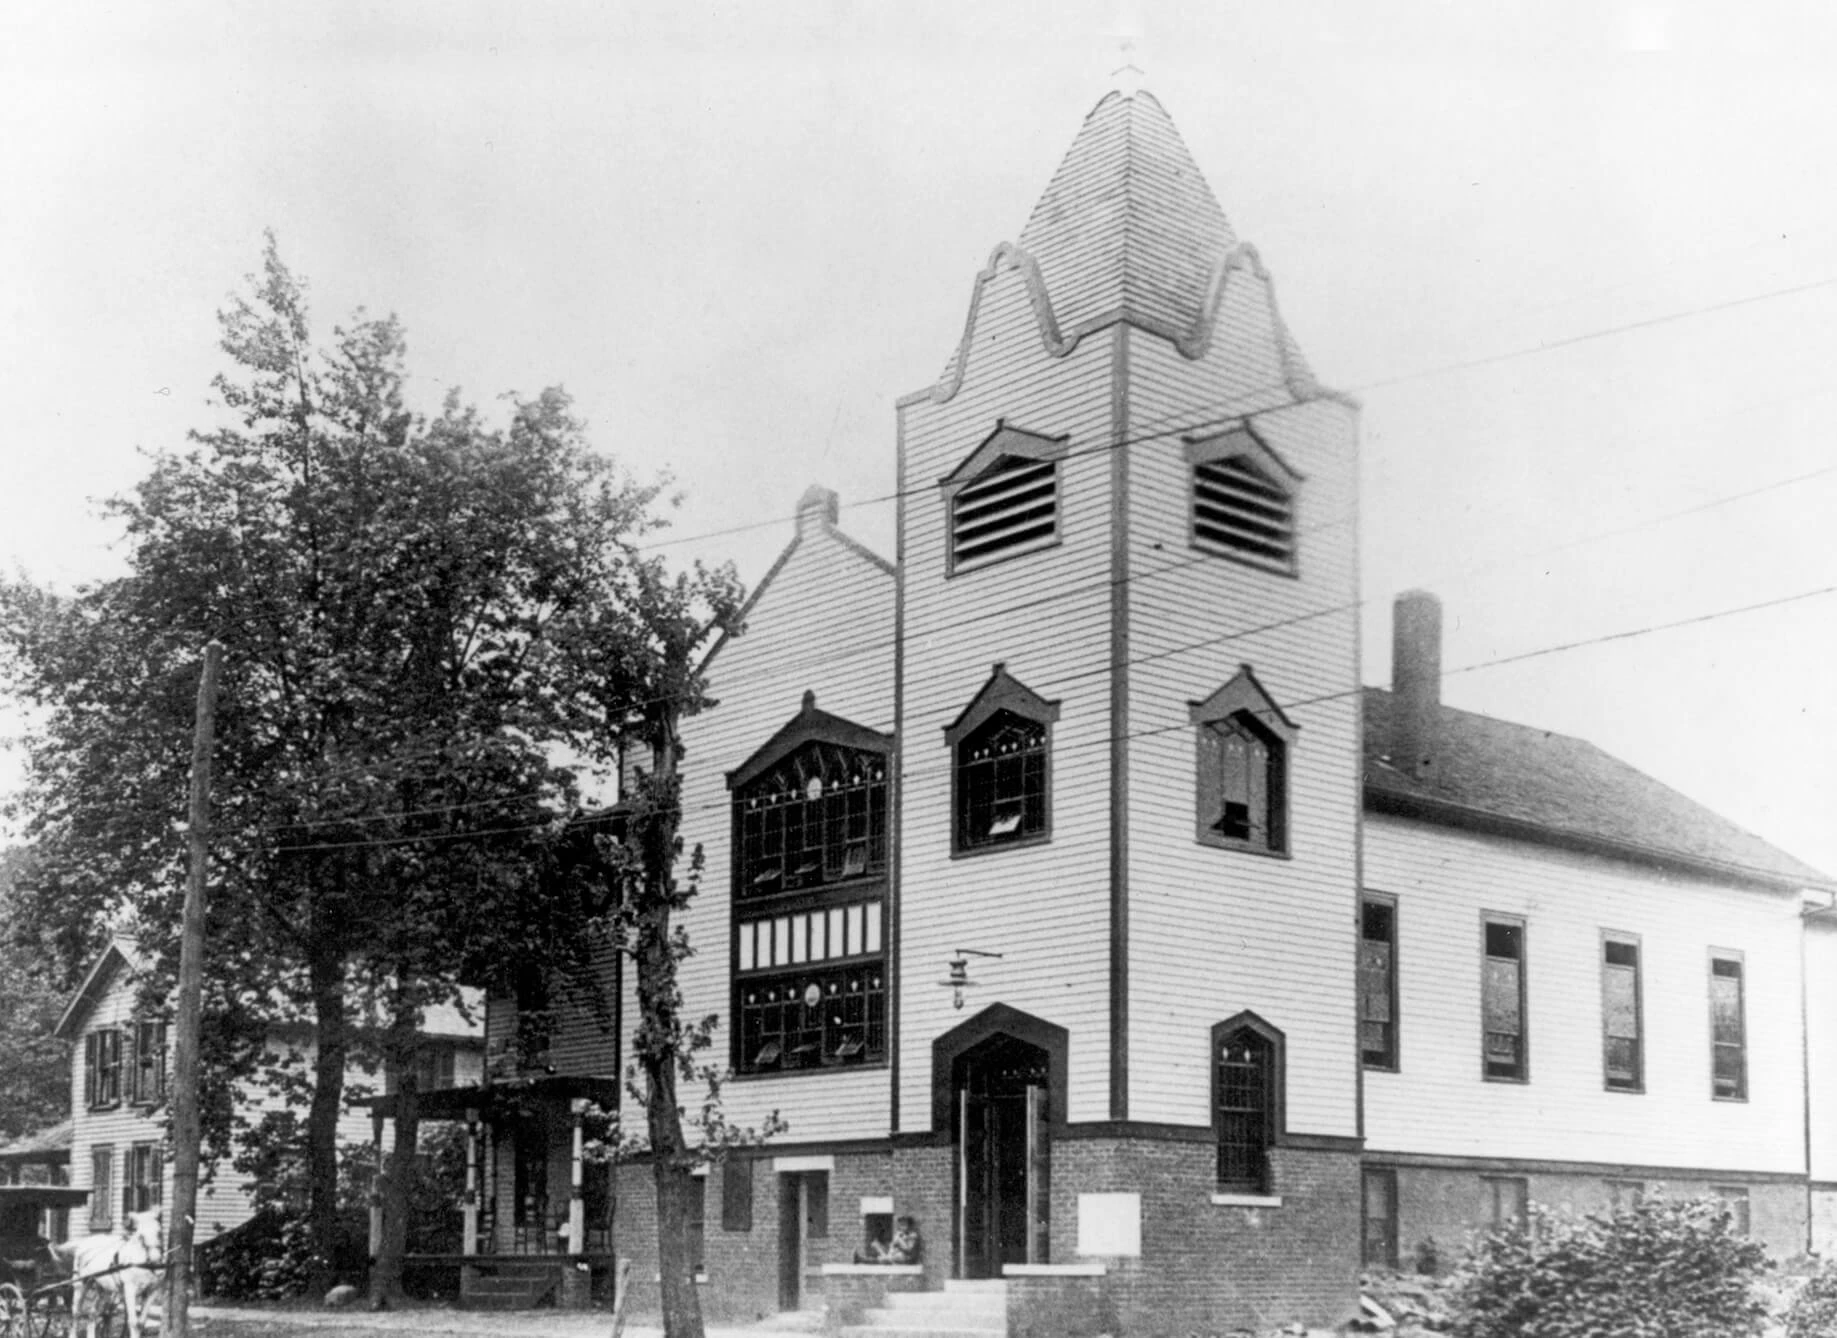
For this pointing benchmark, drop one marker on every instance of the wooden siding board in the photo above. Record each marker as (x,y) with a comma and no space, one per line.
(1045,907)
(1214,931)
(825,624)
(1444,879)
(1821,1047)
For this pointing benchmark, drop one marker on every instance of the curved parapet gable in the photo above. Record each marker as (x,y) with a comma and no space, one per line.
(1241,263)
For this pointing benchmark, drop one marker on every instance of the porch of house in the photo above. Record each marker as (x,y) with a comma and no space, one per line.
(536,1214)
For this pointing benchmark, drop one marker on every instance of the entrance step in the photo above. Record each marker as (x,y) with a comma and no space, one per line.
(963,1309)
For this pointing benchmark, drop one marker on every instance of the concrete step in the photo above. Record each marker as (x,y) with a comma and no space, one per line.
(908,1331)
(932,1318)
(962,1285)
(498,1301)
(994,1302)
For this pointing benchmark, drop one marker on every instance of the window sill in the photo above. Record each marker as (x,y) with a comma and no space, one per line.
(1623,1091)
(1730,1100)
(1509,1082)
(994,847)
(1392,1067)
(1242,847)
(1227,1200)
(815,1071)
(873,1270)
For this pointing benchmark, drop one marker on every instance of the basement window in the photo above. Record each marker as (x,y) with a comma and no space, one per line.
(1243,501)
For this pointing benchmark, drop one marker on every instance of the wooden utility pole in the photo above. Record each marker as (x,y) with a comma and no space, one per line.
(176,1321)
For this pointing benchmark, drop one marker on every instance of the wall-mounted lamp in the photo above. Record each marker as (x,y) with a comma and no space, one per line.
(960,973)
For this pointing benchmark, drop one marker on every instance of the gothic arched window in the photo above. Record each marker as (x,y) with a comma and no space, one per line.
(1246,1102)
(1242,742)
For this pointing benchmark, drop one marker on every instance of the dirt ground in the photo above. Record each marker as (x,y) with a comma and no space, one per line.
(213,1321)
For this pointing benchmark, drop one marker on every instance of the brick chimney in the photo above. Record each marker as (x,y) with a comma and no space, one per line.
(1416,681)
(818,507)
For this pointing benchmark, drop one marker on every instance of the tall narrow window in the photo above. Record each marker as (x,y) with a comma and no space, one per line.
(1004,499)
(1246,1100)
(102,1067)
(144,1187)
(1378,982)
(1728,1030)
(101,1187)
(1243,502)
(1622,1050)
(1379,1211)
(697,1225)
(149,1081)
(1242,739)
(1502,1004)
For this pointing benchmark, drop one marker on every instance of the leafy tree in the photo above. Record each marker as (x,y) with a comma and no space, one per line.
(34,1065)
(430,624)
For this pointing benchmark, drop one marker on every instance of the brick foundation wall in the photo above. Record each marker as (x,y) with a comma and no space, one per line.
(1440,1211)
(1210,1268)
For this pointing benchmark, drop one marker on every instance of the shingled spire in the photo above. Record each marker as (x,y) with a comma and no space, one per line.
(1128,228)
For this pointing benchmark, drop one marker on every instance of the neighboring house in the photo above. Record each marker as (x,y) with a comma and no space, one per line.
(119,1070)
(1065,890)
(36,1159)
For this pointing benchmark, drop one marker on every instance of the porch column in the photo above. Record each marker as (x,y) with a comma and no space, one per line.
(577,1204)
(376,1183)
(469,1242)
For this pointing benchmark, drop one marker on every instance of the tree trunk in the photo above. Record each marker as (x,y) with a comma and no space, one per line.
(331,1037)
(386,1273)
(682,1305)
(657,1048)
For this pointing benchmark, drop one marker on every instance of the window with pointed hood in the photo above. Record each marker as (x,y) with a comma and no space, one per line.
(1243,743)
(1001,773)
(810,870)
(1247,1064)
(1003,500)
(1243,500)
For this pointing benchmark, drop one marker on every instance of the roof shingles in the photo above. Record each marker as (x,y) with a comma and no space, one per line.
(1493,772)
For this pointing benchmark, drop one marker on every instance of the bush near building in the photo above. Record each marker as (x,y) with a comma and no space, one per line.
(1661,1267)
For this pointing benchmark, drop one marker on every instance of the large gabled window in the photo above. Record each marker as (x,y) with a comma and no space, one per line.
(1003,500)
(1001,773)
(810,871)
(1243,500)
(1242,740)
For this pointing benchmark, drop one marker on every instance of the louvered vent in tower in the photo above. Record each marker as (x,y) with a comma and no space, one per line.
(1012,507)
(1240,511)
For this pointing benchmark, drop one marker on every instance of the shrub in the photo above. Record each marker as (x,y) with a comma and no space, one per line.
(1661,1269)
(1813,1313)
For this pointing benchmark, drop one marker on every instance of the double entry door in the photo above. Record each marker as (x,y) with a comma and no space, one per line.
(1004,1157)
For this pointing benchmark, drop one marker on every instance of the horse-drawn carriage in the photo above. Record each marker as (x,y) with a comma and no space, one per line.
(43,1287)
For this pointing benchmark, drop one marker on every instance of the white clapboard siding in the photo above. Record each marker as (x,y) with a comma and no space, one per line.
(1215,931)
(822,622)
(1821,1016)
(1445,879)
(223,1196)
(1046,615)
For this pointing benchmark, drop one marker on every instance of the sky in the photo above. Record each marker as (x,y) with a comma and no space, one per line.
(1578,262)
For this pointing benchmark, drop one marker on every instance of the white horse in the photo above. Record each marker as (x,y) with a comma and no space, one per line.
(115,1264)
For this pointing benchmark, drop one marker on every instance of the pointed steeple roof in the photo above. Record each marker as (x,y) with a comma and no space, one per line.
(1128,228)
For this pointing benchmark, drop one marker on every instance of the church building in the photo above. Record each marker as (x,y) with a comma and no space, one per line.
(1067,892)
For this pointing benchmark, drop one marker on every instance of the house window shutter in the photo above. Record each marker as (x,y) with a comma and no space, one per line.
(89,1068)
(737,1194)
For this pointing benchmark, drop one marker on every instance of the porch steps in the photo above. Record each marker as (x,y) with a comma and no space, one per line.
(962,1310)
(508,1284)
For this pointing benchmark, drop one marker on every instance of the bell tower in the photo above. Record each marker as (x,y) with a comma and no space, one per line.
(1129,495)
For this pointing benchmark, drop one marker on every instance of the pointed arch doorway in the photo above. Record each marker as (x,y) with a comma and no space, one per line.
(998,1085)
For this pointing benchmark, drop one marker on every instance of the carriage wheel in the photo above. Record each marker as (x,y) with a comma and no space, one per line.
(49,1317)
(13,1312)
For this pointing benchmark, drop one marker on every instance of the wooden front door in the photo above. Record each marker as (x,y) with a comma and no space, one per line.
(1004,1158)
(803,1217)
